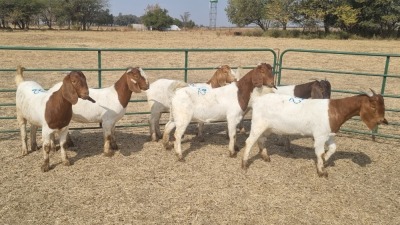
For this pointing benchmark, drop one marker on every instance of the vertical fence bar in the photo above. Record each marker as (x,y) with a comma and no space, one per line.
(385,73)
(186,65)
(383,87)
(99,67)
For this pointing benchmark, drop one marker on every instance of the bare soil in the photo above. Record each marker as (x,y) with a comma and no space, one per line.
(145,184)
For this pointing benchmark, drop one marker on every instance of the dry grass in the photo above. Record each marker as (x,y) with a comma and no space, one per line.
(144,184)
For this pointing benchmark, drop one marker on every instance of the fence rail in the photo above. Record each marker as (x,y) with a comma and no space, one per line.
(279,60)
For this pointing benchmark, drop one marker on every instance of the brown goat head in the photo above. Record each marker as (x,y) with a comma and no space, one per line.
(267,76)
(136,79)
(372,112)
(74,87)
(224,75)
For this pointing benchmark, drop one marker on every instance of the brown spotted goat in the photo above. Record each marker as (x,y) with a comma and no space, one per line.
(51,110)
(318,118)
(225,103)
(110,106)
(159,98)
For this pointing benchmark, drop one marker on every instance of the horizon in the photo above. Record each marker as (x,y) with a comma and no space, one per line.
(199,10)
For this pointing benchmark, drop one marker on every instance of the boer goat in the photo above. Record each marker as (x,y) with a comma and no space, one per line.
(319,118)
(317,89)
(111,103)
(159,96)
(225,103)
(51,110)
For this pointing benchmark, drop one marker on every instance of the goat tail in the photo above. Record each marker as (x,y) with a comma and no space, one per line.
(19,77)
(176,85)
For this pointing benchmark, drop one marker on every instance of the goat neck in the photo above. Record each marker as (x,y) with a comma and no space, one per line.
(123,91)
(58,112)
(245,88)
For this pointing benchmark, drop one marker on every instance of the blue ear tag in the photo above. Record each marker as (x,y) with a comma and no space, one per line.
(295,100)
(37,91)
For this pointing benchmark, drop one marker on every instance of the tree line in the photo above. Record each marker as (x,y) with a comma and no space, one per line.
(80,15)
(361,17)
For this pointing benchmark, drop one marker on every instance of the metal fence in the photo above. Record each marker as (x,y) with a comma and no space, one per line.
(269,55)
(377,75)
(285,68)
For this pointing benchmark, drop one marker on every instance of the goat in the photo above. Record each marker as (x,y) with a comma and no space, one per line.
(319,118)
(110,107)
(225,103)
(317,89)
(160,102)
(51,110)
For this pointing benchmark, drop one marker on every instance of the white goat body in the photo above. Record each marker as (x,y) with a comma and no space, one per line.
(225,103)
(160,93)
(284,114)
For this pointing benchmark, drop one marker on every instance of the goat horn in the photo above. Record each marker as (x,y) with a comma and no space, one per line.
(373,92)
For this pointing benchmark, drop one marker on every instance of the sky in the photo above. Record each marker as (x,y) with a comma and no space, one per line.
(199,9)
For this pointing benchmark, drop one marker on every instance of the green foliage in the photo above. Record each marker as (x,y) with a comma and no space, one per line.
(157,18)
(125,20)
(245,12)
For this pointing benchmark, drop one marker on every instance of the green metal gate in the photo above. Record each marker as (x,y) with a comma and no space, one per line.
(266,55)
(287,66)
(377,75)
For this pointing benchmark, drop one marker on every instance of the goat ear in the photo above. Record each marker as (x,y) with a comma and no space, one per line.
(257,78)
(68,91)
(133,85)
(221,80)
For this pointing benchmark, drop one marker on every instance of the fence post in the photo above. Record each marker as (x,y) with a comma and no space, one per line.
(99,67)
(186,65)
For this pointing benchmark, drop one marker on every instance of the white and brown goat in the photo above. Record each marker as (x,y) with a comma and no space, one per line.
(159,96)
(225,103)
(51,110)
(318,118)
(110,106)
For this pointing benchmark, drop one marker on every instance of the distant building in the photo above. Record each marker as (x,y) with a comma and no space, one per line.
(140,27)
(174,27)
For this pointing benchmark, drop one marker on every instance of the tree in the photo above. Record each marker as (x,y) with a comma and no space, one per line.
(245,12)
(104,18)
(281,11)
(377,17)
(156,17)
(125,20)
(20,12)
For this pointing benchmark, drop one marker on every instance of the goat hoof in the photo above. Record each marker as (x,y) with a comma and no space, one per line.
(108,154)
(323,174)
(34,147)
(244,164)
(233,155)
(45,167)
(181,159)
(266,158)
(168,145)
(66,163)
(114,146)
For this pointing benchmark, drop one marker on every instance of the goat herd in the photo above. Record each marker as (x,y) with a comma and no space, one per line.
(227,96)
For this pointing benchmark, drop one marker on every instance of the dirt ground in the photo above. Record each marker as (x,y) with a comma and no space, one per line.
(145,184)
